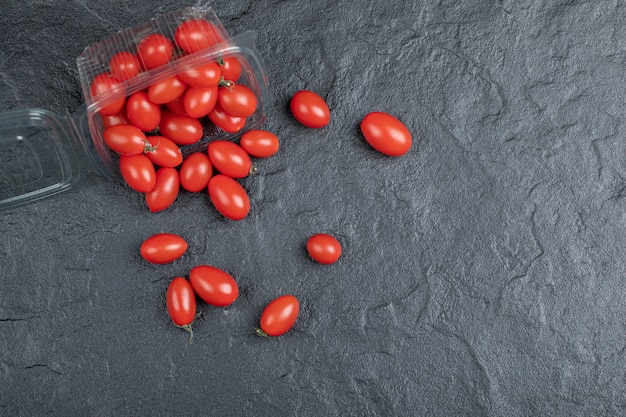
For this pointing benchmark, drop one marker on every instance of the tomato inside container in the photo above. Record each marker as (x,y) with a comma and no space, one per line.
(42,153)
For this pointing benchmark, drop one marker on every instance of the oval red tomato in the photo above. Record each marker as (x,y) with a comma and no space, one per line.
(165,152)
(310,109)
(155,50)
(279,316)
(124,66)
(195,35)
(259,143)
(163,248)
(225,121)
(181,302)
(166,90)
(181,129)
(237,100)
(111,92)
(142,112)
(138,172)
(198,102)
(202,76)
(195,172)
(126,139)
(229,158)
(386,134)
(165,189)
(214,286)
(230,68)
(323,248)
(229,197)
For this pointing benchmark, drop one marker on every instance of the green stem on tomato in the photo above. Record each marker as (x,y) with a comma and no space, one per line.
(260,332)
(148,147)
(188,328)
(225,83)
(253,170)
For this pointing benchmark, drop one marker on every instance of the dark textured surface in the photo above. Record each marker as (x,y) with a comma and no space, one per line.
(483,272)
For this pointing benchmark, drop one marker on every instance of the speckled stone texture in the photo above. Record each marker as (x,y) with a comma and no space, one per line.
(482,273)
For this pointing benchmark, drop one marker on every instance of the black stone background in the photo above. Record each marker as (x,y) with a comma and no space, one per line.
(483,272)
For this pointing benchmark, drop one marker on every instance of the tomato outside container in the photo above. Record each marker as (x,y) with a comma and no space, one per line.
(42,153)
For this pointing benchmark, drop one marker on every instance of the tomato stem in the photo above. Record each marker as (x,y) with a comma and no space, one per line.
(253,169)
(226,83)
(261,333)
(148,147)
(188,328)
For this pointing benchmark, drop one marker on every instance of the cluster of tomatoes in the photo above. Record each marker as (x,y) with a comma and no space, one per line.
(218,288)
(148,127)
(213,285)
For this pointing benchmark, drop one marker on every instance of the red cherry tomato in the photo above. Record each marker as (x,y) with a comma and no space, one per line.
(163,248)
(386,134)
(116,119)
(124,66)
(181,129)
(223,120)
(195,172)
(138,172)
(181,302)
(323,248)
(195,35)
(279,316)
(165,189)
(126,139)
(166,90)
(310,109)
(142,112)
(229,158)
(177,105)
(259,143)
(214,286)
(166,153)
(229,197)
(237,100)
(203,76)
(105,87)
(230,68)
(155,50)
(198,102)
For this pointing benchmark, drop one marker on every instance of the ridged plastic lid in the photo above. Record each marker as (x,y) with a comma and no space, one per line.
(35,159)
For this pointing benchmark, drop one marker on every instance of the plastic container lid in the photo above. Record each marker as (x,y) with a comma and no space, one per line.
(38,156)
(42,154)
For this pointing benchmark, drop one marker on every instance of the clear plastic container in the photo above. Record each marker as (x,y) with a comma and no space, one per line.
(42,153)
